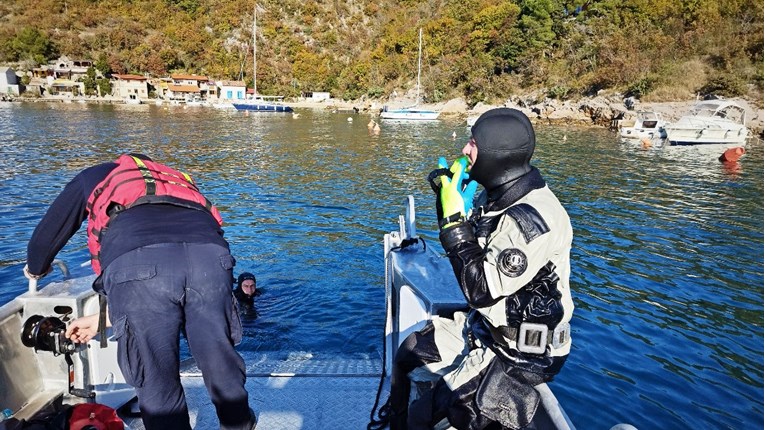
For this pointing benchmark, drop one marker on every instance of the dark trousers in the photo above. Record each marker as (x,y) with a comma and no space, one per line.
(154,293)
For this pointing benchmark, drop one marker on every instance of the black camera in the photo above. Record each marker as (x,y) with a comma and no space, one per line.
(46,334)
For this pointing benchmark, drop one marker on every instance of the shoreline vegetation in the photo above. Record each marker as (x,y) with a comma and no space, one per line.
(562,61)
(598,111)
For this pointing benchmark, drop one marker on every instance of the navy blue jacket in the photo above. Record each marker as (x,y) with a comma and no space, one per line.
(136,227)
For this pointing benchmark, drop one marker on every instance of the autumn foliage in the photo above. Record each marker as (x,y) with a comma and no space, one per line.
(477,49)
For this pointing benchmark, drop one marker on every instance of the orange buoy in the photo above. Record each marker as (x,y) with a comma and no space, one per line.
(732,155)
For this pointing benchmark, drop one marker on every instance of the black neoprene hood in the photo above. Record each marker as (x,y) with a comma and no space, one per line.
(243,277)
(505,139)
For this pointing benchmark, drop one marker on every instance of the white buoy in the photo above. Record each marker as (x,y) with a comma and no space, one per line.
(454,135)
(350,119)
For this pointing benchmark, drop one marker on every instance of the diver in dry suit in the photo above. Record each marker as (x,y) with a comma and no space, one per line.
(511,260)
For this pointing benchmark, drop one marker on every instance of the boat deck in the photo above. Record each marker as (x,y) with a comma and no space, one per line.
(294,391)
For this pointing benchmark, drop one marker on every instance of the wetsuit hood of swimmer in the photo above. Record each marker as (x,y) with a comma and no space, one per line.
(243,277)
(505,139)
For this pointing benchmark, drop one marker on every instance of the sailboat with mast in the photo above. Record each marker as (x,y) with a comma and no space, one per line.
(258,102)
(412,112)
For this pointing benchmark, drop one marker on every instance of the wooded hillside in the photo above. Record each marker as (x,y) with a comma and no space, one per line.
(481,50)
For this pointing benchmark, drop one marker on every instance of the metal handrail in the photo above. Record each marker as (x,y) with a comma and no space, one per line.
(64,271)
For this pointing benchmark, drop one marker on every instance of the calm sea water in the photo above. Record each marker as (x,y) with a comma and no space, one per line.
(667,265)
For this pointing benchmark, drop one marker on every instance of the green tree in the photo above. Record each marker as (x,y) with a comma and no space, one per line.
(104,87)
(102,65)
(31,44)
(89,82)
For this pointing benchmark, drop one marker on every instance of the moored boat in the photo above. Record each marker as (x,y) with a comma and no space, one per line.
(710,122)
(262,104)
(647,125)
(259,102)
(132,99)
(412,112)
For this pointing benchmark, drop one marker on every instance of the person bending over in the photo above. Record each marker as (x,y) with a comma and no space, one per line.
(157,247)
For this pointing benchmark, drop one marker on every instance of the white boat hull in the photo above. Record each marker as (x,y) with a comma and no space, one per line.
(410,114)
(647,125)
(680,134)
(638,133)
(710,122)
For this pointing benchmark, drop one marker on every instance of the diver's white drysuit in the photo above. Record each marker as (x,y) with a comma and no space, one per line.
(479,367)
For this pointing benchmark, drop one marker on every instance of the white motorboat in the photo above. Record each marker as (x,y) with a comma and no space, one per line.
(223,105)
(195,102)
(710,122)
(132,99)
(648,125)
(40,370)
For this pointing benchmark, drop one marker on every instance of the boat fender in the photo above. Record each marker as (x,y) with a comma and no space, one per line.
(732,155)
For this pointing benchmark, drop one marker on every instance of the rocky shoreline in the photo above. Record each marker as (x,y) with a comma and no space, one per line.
(599,111)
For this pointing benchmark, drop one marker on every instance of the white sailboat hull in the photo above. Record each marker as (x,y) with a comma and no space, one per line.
(409,114)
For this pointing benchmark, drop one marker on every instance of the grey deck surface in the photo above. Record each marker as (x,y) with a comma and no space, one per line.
(295,391)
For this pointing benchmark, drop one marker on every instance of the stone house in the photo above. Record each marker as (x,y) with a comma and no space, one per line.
(130,86)
(182,84)
(9,82)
